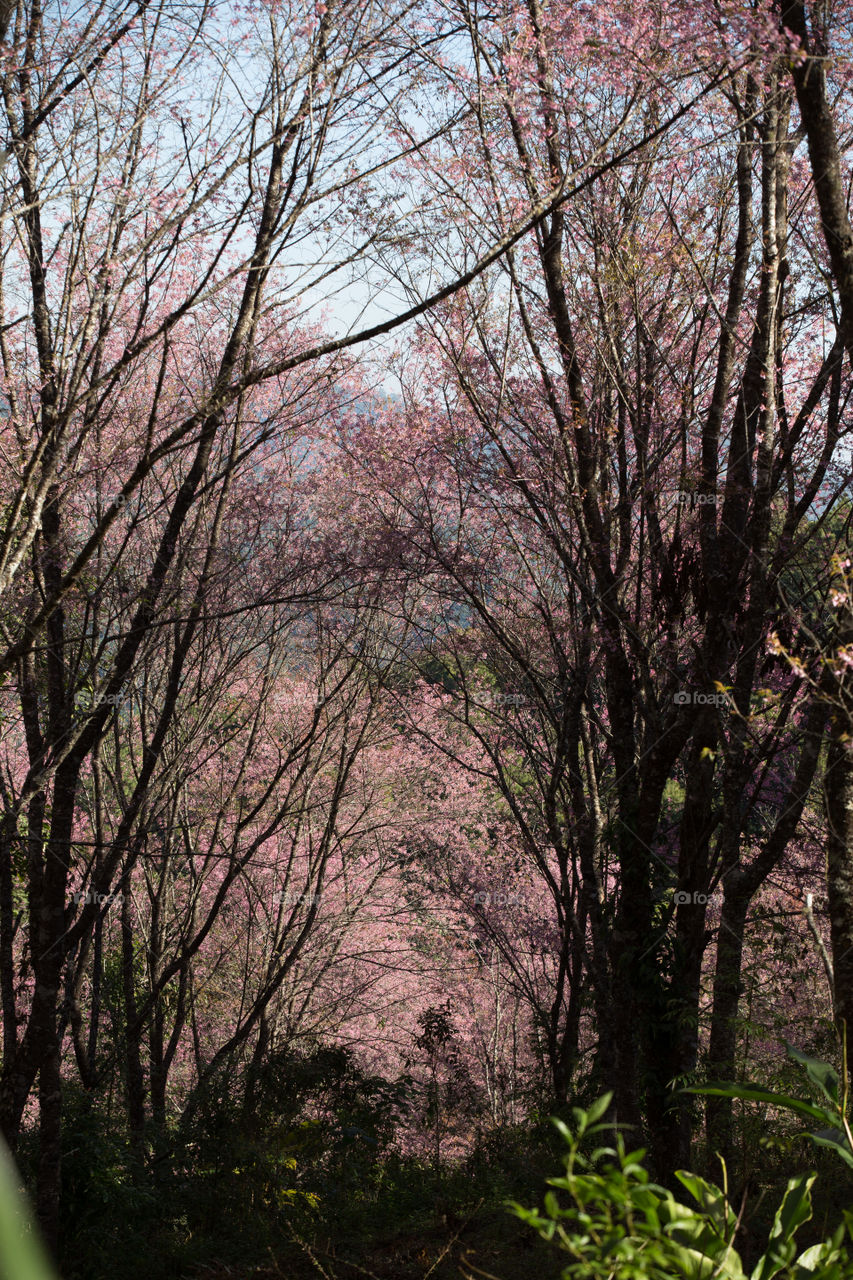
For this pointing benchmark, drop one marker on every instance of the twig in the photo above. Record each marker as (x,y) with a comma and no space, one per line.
(309,1251)
(452,1241)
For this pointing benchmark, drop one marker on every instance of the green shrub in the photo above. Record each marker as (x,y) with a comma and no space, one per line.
(614,1224)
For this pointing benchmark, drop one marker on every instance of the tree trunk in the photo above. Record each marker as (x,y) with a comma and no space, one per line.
(49,1184)
(838,799)
(809,78)
(724,1012)
(133,1031)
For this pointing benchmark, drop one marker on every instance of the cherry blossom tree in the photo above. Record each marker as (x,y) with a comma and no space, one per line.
(298,671)
(162,170)
(611,474)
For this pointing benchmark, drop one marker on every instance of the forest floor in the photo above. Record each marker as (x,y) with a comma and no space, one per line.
(488,1244)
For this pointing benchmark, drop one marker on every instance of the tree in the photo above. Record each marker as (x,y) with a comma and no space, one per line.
(619,433)
(809,72)
(150,234)
(618,465)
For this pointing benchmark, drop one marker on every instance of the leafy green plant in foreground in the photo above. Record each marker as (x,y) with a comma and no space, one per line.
(21,1254)
(614,1224)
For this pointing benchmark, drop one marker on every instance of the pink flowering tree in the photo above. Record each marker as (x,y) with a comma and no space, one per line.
(608,457)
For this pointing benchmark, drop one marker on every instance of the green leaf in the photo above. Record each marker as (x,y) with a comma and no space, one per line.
(712,1200)
(754,1093)
(691,1230)
(837,1139)
(562,1129)
(695,1264)
(828,1260)
(795,1209)
(820,1073)
(21,1252)
(599,1108)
